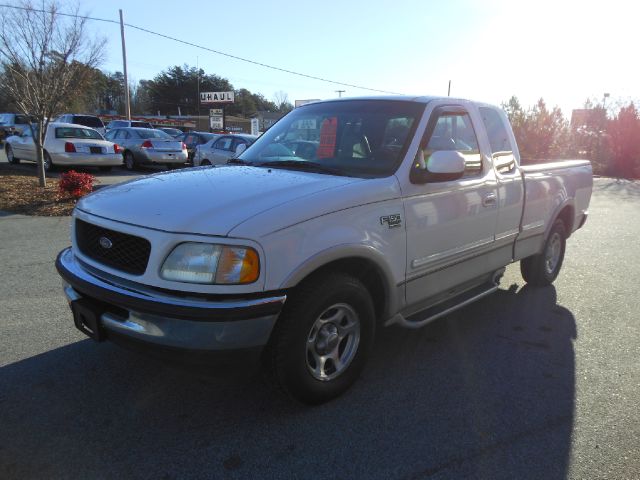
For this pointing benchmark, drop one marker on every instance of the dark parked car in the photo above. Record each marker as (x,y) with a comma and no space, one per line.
(90,121)
(193,139)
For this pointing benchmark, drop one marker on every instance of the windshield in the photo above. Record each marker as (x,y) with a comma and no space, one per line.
(5,118)
(88,121)
(354,138)
(70,132)
(152,133)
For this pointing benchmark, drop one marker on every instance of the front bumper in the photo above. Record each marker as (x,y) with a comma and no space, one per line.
(163,319)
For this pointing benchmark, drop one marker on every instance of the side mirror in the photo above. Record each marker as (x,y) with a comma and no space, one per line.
(241,148)
(442,166)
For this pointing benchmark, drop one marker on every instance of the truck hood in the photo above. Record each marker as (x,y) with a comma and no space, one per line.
(208,201)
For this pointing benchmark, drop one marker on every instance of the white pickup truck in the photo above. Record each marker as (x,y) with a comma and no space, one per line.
(345,217)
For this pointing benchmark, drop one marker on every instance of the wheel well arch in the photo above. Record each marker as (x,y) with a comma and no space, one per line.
(567,215)
(368,272)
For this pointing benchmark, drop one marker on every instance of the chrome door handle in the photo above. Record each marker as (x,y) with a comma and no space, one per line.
(490,200)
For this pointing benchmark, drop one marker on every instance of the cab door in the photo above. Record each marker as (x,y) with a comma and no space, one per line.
(450,224)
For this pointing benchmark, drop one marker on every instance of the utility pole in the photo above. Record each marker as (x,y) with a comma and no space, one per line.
(198,98)
(449,89)
(340,92)
(124,62)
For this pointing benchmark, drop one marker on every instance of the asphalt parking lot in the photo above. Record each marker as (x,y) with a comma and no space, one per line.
(528,383)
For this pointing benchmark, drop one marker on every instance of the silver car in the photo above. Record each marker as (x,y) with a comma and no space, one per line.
(219,150)
(145,146)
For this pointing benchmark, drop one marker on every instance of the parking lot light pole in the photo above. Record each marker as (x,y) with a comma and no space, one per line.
(124,62)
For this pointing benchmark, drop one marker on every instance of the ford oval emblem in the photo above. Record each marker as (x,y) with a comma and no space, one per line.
(105,242)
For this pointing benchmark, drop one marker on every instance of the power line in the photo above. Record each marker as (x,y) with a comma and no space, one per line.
(218,52)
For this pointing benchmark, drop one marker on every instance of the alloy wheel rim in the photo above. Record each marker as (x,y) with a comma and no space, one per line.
(552,255)
(332,342)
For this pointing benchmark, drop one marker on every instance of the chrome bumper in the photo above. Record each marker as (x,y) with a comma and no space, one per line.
(167,320)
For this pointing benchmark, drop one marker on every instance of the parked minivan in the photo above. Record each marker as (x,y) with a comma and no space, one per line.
(90,121)
(12,124)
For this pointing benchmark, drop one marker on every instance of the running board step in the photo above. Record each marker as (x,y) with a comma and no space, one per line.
(430,314)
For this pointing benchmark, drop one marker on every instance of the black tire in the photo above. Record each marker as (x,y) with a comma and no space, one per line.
(105,168)
(542,269)
(290,359)
(48,163)
(129,161)
(205,163)
(10,157)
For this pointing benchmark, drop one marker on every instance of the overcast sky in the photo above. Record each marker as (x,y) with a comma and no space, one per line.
(564,51)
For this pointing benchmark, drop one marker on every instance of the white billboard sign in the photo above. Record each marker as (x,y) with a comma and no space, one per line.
(216,97)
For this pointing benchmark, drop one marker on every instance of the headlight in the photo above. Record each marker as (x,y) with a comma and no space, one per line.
(208,263)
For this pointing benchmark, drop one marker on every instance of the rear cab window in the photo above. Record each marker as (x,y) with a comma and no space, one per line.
(499,140)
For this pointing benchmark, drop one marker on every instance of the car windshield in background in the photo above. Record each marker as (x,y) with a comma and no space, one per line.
(70,132)
(5,118)
(354,138)
(141,125)
(152,133)
(88,121)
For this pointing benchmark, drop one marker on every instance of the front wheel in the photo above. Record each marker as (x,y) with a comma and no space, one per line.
(322,339)
(542,269)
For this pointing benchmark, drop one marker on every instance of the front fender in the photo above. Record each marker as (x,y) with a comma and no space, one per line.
(394,291)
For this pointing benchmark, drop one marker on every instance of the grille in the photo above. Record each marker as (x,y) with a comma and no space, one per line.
(115,249)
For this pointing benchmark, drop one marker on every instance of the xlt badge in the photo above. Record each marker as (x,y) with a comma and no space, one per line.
(391,220)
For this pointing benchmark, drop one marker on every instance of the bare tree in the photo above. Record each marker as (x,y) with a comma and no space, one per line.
(281,100)
(47,58)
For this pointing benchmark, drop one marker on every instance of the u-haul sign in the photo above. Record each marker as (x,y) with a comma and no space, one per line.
(216,97)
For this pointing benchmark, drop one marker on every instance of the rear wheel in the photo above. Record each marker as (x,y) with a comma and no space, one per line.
(129,161)
(205,162)
(48,163)
(542,269)
(11,158)
(322,339)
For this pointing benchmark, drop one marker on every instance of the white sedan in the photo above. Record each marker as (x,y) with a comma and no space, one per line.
(66,144)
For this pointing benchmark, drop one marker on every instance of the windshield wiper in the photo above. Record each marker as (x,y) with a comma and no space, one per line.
(237,161)
(301,165)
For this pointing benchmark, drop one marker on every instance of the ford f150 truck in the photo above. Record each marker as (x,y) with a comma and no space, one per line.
(345,217)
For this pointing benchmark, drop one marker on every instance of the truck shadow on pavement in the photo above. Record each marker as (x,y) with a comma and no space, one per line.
(487,392)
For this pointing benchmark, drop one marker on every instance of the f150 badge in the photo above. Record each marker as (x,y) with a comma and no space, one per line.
(391,220)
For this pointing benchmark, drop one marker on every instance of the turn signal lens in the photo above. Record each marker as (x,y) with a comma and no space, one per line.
(238,265)
(116,148)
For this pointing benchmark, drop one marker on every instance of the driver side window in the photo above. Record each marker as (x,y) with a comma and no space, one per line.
(453,131)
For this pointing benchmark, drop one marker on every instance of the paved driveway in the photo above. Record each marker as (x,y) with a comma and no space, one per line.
(528,383)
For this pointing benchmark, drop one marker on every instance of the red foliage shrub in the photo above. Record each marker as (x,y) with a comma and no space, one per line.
(75,184)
